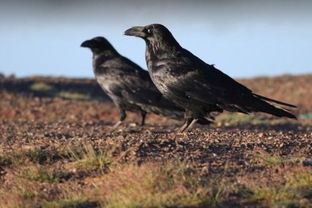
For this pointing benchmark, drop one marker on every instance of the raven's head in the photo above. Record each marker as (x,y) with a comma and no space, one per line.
(98,45)
(155,34)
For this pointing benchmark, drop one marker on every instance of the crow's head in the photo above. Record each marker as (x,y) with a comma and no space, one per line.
(155,34)
(98,45)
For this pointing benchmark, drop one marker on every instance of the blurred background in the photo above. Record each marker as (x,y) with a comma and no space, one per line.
(242,38)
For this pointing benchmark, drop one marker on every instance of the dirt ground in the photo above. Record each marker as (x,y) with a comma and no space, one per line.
(57,150)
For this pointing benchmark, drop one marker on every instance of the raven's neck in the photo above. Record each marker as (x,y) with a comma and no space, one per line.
(100,57)
(156,52)
(160,47)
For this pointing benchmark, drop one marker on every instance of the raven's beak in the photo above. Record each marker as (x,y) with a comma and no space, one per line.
(137,31)
(86,44)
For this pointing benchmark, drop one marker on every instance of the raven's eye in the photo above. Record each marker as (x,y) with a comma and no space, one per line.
(149,31)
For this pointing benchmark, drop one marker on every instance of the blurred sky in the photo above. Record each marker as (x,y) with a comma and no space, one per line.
(242,38)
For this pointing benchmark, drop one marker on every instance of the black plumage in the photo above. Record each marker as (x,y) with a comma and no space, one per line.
(194,85)
(127,84)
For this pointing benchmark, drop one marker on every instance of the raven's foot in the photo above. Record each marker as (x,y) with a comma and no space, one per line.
(189,123)
(183,127)
(116,125)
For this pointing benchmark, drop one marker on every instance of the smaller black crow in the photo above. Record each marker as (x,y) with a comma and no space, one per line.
(127,84)
(194,85)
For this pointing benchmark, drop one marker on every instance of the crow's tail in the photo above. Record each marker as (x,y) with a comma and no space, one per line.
(260,104)
(275,101)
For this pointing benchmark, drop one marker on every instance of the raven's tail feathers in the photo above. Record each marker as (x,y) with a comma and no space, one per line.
(274,101)
(261,105)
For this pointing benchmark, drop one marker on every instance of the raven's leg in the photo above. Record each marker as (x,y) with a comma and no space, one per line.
(188,118)
(191,124)
(143,114)
(185,125)
(122,117)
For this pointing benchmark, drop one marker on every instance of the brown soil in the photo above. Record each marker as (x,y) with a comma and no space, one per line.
(40,117)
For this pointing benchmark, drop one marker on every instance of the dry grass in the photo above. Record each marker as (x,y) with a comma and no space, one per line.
(73,95)
(172,184)
(273,160)
(59,153)
(168,184)
(35,155)
(86,158)
(151,184)
(290,188)
(41,86)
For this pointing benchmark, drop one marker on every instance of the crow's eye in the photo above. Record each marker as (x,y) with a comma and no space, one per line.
(149,31)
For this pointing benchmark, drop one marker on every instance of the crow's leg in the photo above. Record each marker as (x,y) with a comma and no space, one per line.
(188,118)
(191,124)
(118,123)
(185,125)
(143,115)
(122,117)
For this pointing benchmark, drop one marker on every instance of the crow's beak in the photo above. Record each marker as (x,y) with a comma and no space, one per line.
(137,31)
(86,44)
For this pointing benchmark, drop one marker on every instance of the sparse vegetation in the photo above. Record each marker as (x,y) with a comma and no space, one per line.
(60,153)
(274,160)
(19,157)
(306,116)
(42,87)
(50,90)
(290,192)
(41,174)
(241,119)
(73,95)
(170,184)
(86,158)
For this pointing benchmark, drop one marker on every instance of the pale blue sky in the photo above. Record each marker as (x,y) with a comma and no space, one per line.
(242,38)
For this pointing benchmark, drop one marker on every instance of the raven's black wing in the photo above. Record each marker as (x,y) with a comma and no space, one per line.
(199,81)
(137,88)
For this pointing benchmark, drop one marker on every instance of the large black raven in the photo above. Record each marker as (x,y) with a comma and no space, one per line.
(194,85)
(127,84)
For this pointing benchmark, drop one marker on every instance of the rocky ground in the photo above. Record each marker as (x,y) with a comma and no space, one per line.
(57,150)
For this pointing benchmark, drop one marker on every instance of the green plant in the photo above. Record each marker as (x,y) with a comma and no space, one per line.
(41,86)
(86,158)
